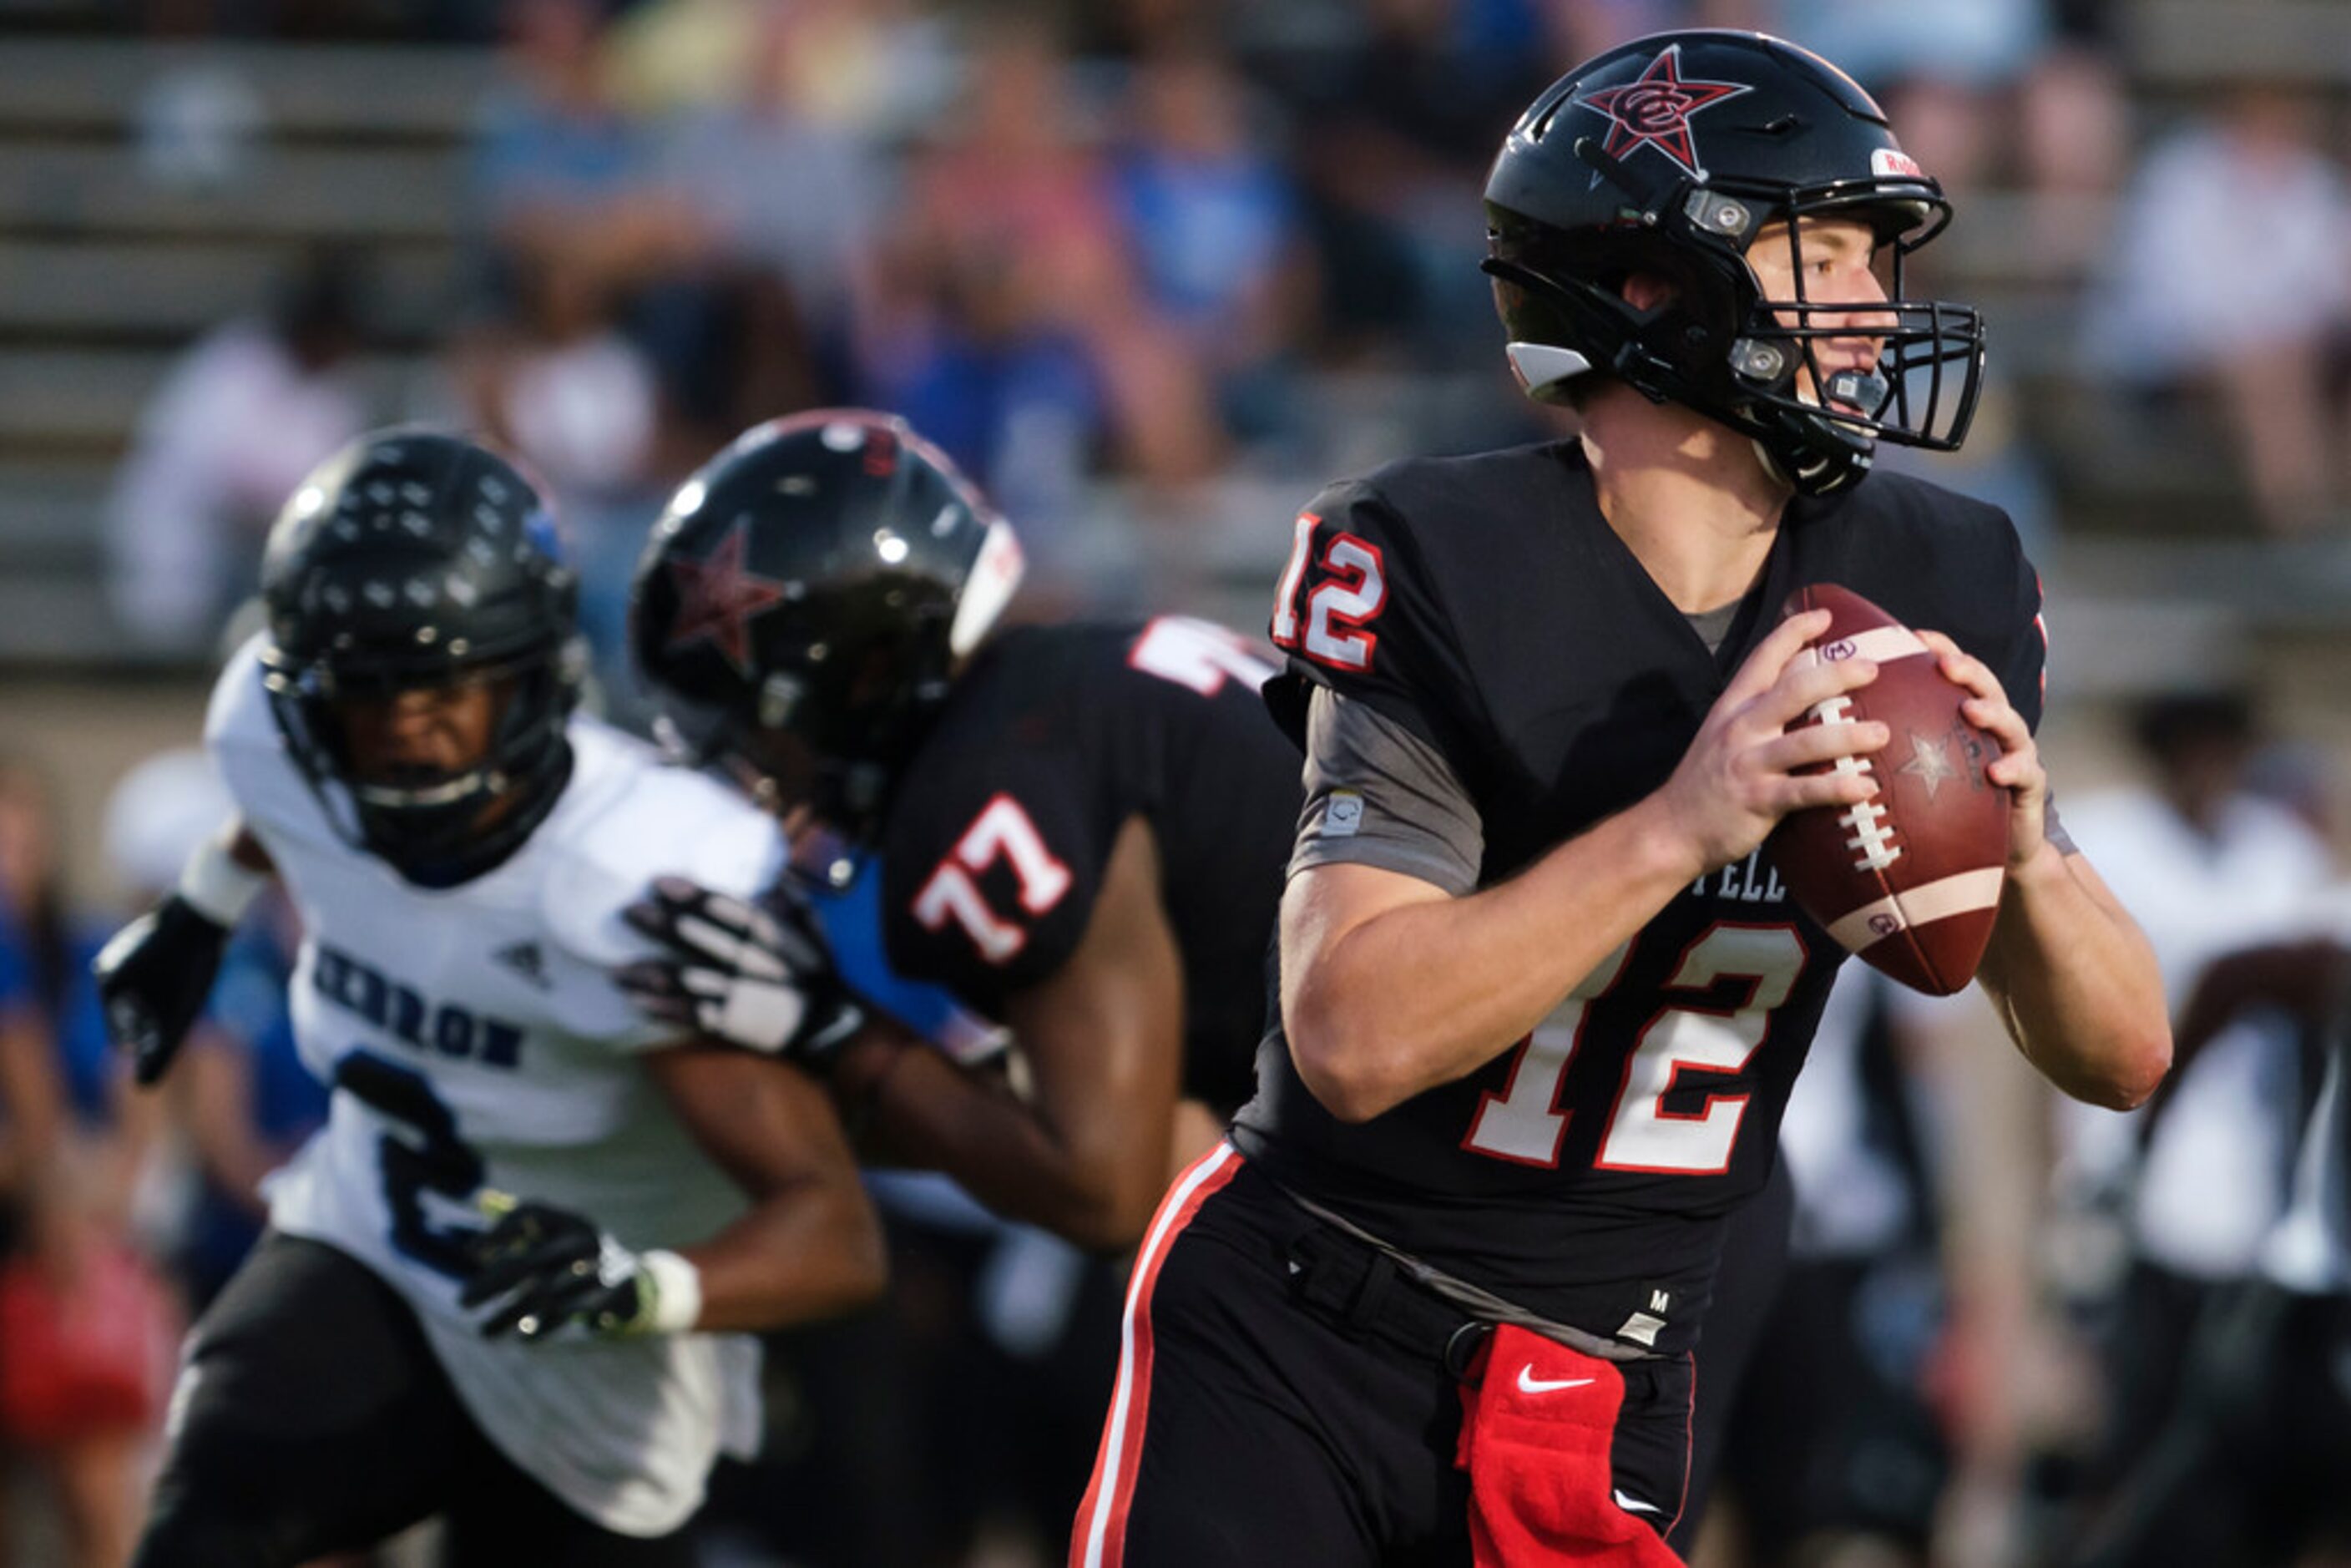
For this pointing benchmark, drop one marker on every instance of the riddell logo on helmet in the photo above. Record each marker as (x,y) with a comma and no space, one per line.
(1887,162)
(1655,110)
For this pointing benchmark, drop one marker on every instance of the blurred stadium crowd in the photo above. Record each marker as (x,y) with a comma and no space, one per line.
(1151,270)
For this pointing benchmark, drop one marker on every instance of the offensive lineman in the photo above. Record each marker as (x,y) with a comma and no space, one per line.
(1540,997)
(1077,831)
(1079,828)
(460,845)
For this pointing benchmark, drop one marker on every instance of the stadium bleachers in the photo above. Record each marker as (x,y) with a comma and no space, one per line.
(147,191)
(112,258)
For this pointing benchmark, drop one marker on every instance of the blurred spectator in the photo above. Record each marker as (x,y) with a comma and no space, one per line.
(869,67)
(245,412)
(85,1332)
(31,1114)
(560,176)
(108,1127)
(2205,867)
(2074,124)
(2248,1463)
(560,386)
(563,389)
(1214,224)
(789,203)
(1015,331)
(2227,276)
(1942,62)
(246,1100)
(1395,134)
(773,184)
(32,1100)
(240,1094)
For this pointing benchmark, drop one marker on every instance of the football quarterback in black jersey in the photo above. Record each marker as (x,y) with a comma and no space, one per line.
(1080,828)
(1541,998)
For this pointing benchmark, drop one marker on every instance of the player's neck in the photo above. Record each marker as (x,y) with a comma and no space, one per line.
(1690,497)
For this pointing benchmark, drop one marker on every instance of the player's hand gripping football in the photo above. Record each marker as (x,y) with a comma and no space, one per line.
(2018,767)
(1739,776)
(760,978)
(153,977)
(541,1269)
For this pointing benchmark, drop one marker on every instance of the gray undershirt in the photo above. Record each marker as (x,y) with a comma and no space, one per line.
(1379,795)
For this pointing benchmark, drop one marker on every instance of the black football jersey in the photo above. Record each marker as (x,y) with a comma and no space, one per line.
(1484,603)
(993,853)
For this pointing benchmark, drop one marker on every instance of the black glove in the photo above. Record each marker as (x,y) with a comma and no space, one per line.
(548,1267)
(153,976)
(758,977)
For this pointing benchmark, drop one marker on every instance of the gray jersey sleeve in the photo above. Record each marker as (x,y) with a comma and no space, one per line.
(1377,794)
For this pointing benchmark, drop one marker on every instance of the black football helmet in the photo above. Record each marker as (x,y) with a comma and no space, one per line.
(803,599)
(1668,156)
(413,559)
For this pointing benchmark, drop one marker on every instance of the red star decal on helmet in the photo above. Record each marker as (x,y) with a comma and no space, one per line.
(1655,110)
(716,599)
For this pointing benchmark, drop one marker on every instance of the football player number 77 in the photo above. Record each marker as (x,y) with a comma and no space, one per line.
(1524,1124)
(1198,654)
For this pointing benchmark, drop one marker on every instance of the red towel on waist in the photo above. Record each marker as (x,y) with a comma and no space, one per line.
(1536,1431)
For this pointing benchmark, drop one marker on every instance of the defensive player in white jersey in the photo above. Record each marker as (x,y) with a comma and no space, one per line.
(460,844)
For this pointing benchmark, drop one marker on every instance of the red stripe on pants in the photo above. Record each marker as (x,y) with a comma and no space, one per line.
(1100,1538)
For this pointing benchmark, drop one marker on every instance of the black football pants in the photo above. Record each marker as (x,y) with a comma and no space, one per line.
(1251,1427)
(313,1417)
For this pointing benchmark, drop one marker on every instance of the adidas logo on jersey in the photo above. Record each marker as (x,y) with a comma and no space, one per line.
(527,959)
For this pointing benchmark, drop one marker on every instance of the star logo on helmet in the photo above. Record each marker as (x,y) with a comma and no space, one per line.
(717,600)
(1655,110)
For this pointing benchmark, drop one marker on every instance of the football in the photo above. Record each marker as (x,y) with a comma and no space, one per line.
(1909,880)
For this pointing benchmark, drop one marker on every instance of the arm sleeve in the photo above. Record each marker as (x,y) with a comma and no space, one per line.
(851,918)
(1379,795)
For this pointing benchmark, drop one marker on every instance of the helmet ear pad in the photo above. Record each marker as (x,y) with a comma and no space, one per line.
(1631,303)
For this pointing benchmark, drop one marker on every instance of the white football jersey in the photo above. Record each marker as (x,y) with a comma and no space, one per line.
(476,1040)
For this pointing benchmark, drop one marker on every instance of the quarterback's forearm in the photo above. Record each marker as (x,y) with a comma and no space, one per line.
(2076,983)
(1425,990)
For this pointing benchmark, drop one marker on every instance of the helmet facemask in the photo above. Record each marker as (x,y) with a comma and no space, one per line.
(435,826)
(1921,388)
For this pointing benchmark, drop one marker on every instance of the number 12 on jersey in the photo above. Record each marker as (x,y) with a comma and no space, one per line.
(1338,606)
(1524,1124)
